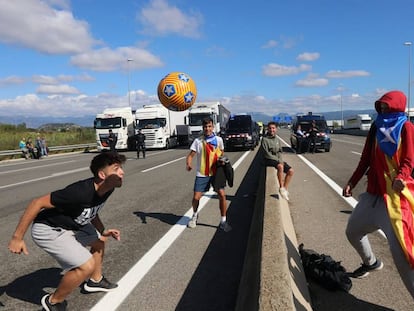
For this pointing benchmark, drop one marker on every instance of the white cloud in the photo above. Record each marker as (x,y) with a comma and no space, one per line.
(106,59)
(347,74)
(57,89)
(43,28)
(12,80)
(160,18)
(270,44)
(311,81)
(308,57)
(276,70)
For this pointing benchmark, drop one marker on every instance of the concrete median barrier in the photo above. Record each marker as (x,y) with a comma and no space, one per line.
(273,277)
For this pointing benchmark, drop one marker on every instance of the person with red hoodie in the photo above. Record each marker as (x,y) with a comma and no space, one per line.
(388,203)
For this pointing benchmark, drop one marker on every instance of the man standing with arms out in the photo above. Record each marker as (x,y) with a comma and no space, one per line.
(66,222)
(272,153)
(208,148)
(140,141)
(388,203)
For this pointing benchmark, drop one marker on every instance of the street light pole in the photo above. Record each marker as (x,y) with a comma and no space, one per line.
(409,43)
(129,93)
(340,89)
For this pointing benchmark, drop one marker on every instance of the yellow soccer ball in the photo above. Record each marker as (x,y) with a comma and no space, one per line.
(177,91)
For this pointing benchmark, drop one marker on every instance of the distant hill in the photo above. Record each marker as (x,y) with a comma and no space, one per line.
(87,121)
(37,122)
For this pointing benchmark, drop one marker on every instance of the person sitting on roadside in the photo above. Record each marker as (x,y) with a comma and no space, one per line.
(271,148)
(23,148)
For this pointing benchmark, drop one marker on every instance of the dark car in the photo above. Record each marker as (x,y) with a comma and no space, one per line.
(321,139)
(241,132)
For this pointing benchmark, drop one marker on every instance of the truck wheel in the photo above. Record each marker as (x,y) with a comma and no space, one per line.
(167,144)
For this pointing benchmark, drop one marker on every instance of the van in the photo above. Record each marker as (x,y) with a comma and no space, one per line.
(241,132)
(322,141)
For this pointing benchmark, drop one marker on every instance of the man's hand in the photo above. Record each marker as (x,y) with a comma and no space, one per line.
(188,166)
(347,191)
(398,185)
(115,233)
(18,246)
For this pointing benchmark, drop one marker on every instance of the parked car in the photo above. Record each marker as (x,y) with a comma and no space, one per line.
(322,139)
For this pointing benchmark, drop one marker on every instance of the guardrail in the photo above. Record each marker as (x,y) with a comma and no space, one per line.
(86,147)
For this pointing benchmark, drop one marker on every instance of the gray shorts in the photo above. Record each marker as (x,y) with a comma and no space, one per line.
(68,247)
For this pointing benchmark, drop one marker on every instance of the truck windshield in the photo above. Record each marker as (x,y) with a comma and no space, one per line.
(108,123)
(151,123)
(197,118)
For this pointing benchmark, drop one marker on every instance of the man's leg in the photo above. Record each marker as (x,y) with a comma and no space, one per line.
(360,223)
(71,280)
(288,177)
(279,168)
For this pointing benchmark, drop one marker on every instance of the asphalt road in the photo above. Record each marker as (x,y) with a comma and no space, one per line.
(201,269)
(320,216)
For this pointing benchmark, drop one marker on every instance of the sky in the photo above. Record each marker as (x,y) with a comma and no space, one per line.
(63,58)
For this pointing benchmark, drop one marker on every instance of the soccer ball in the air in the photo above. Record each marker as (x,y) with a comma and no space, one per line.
(177,91)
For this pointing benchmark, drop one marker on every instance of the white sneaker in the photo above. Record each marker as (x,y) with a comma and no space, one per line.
(193,222)
(225,226)
(284,193)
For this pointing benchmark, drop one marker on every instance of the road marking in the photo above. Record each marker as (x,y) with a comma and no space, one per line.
(35,167)
(112,300)
(161,165)
(45,177)
(357,153)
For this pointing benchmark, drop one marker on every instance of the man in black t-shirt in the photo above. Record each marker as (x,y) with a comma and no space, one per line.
(66,225)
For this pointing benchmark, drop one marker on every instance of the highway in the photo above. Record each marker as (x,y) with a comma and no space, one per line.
(161,265)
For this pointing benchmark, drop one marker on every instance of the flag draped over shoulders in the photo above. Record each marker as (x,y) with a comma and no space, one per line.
(209,155)
(400,205)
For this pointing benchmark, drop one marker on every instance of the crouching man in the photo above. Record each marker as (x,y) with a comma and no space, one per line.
(66,225)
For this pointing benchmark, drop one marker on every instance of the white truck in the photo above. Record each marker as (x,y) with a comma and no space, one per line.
(359,121)
(214,110)
(122,123)
(162,128)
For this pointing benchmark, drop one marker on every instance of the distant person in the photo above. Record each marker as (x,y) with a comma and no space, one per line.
(388,161)
(313,134)
(66,223)
(38,144)
(44,147)
(23,148)
(31,149)
(299,131)
(112,139)
(140,143)
(302,140)
(209,148)
(271,148)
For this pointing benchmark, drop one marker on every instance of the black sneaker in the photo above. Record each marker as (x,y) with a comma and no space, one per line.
(103,286)
(364,270)
(47,305)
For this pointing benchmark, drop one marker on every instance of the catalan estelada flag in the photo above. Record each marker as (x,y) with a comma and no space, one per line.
(209,156)
(400,206)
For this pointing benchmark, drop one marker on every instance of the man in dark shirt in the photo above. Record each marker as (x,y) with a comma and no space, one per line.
(140,141)
(66,225)
(112,139)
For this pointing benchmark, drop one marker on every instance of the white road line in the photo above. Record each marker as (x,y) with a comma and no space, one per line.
(35,167)
(45,177)
(130,280)
(161,165)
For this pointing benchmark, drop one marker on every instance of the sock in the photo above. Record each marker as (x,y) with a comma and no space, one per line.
(223,219)
(195,214)
(96,281)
